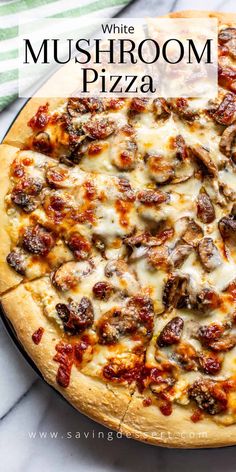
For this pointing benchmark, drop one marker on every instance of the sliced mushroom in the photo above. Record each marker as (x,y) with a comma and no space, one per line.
(205,208)
(227,142)
(99,128)
(175,290)
(180,254)
(76,317)
(226,112)
(193,232)
(203,156)
(160,168)
(69,274)
(122,277)
(17,259)
(171,333)
(209,254)
(42,142)
(227,227)
(161,109)
(227,37)
(209,396)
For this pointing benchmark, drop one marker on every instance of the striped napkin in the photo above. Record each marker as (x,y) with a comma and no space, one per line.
(11,10)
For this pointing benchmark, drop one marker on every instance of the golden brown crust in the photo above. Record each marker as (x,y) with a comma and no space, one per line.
(9,278)
(19,132)
(110,405)
(89,395)
(147,424)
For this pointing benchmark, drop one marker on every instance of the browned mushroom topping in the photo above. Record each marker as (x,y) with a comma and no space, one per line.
(38,240)
(227,227)
(125,158)
(41,143)
(227,78)
(226,112)
(209,254)
(79,245)
(158,257)
(193,233)
(210,364)
(205,208)
(17,260)
(69,274)
(117,267)
(203,157)
(210,333)
(160,168)
(152,197)
(171,333)
(227,38)
(227,142)
(56,176)
(76,317)
(102,290)
(138,105)
(181,148)
(99,128)
(186,355)
(209,396)
(126,190)
(206,300)
(24,193)
(214,337)
(161,109)
(174,291)
(138,313)
(181,107)
(77,106)
(180,254)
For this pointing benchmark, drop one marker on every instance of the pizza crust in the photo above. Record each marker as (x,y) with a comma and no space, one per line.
(19,133)
(112,405)
(91,396)
(9,278)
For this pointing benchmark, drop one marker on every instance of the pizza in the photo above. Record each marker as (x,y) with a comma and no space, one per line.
(118,255)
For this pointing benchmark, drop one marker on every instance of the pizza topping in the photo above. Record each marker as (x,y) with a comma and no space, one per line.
(205,208)
(23,194)
(158,257)
(171,333)
(160,168)
(180,254)
(76,106)
(56,176)
(209,364)
(227,78)
(138,105)
(213,337)
(123,278)
(40,120)
(161,109)
(209,396)
(38,240)
(193,232)
(37,335)
(206,300)
(152,197)
(138,314)
(42,143)
(227,141)
(227,227)
(180,106)
(204,159)
(227,38)
(99,128)
(17,260)
(102,290)
(76,317)
(64,356)
(174,291)
(226,112)
(79,245)
(209,254)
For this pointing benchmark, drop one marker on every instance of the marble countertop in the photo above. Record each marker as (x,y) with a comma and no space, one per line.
(38,429)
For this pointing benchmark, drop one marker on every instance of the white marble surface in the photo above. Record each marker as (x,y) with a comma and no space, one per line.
(28,405)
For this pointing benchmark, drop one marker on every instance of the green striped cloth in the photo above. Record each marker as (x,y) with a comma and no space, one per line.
(11,10)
